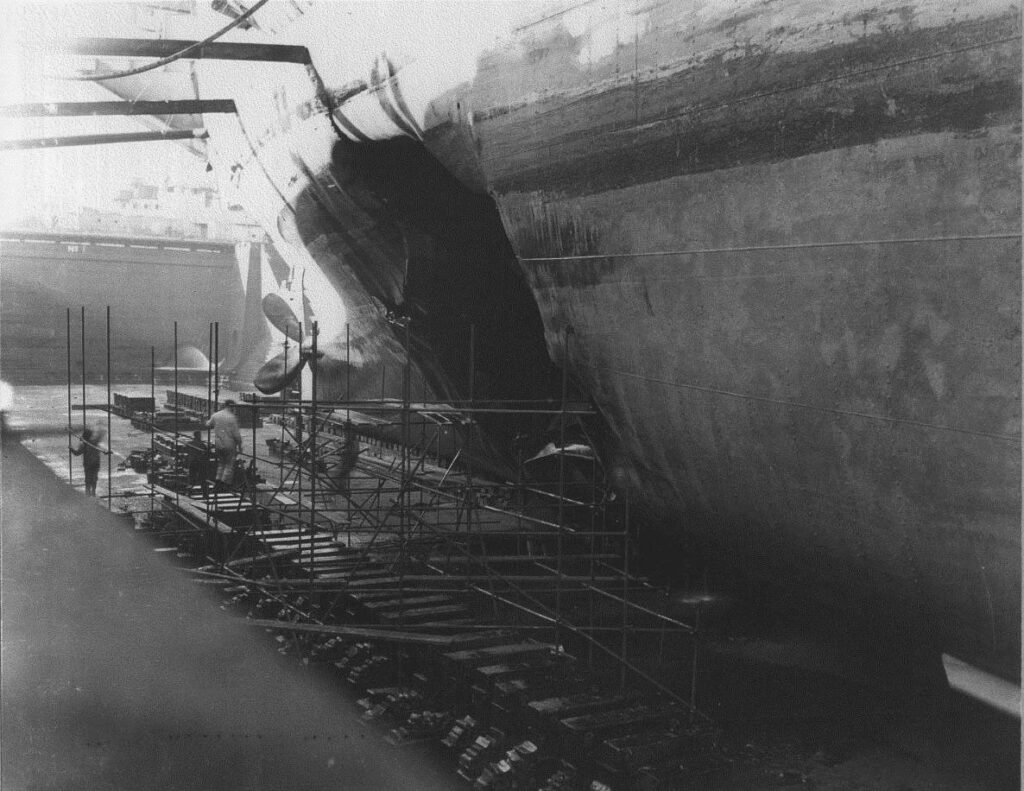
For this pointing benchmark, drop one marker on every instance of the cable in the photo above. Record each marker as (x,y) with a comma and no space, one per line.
(176,56)
(796,404)
(770,247)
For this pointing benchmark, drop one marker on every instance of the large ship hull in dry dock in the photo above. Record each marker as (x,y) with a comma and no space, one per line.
(777,244)
(792,272)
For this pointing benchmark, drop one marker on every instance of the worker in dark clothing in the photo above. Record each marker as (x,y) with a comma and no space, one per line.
(198,462)
(348,455)
(89,449)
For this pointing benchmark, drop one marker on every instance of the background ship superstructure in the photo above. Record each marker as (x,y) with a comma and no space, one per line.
(158,254)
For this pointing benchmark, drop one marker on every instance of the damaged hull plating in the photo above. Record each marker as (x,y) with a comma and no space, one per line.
(777,245)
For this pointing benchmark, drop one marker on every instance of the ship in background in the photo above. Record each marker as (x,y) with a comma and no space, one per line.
(776,244)
(159,254)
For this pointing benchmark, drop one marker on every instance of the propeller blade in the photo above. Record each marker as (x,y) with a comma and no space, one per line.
(989,689)
(274,376)
(280,314)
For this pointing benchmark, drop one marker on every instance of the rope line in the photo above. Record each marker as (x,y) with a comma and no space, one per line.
(767,247)
(813,407)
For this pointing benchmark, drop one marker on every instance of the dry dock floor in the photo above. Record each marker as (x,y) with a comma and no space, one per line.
(119,674)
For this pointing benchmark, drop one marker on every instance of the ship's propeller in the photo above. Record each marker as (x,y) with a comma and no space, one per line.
(276,374)
(280,314)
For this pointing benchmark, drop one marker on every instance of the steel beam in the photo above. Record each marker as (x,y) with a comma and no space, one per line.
(181,107)
(95,140)
(162,48)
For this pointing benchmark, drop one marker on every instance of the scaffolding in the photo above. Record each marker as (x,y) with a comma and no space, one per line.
(375,518)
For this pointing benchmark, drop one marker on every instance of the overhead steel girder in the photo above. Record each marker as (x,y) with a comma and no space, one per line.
(94,140)
(162,48)
(161,108)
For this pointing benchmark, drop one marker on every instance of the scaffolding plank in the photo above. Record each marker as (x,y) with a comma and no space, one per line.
(407,601)
(447,622)
(550,579)
(318,547)
(626,753)
(374,572)
(482,656)
(624,720)
(414,614)
(484,558)
(382,635)
(362,597)
(365,582)
(250,559)
(272,535)
(524,668)
(563,706)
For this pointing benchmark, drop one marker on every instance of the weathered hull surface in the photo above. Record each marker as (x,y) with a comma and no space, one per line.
(830,408)
(793,283)
(777,245)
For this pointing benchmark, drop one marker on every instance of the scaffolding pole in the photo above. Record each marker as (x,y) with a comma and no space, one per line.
(177,502)
(70,461)
(152,432)
(561,479)
(313,369)
(417,531)
(110,436)
(85,402)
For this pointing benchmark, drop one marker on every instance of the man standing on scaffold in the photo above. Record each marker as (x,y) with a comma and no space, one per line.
(227,440)
(89,449)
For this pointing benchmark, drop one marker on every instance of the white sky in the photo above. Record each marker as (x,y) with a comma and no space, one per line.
(78,175)
(344,38)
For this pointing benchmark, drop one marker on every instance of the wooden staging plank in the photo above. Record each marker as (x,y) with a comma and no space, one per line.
(383,635)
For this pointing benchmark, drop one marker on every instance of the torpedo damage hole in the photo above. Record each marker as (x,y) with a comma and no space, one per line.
(460,278)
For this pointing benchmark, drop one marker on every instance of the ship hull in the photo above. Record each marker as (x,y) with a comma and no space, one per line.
(790,281)
(841,415)
(777,245)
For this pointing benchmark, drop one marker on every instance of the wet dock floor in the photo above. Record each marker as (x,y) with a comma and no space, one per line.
(118,673)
